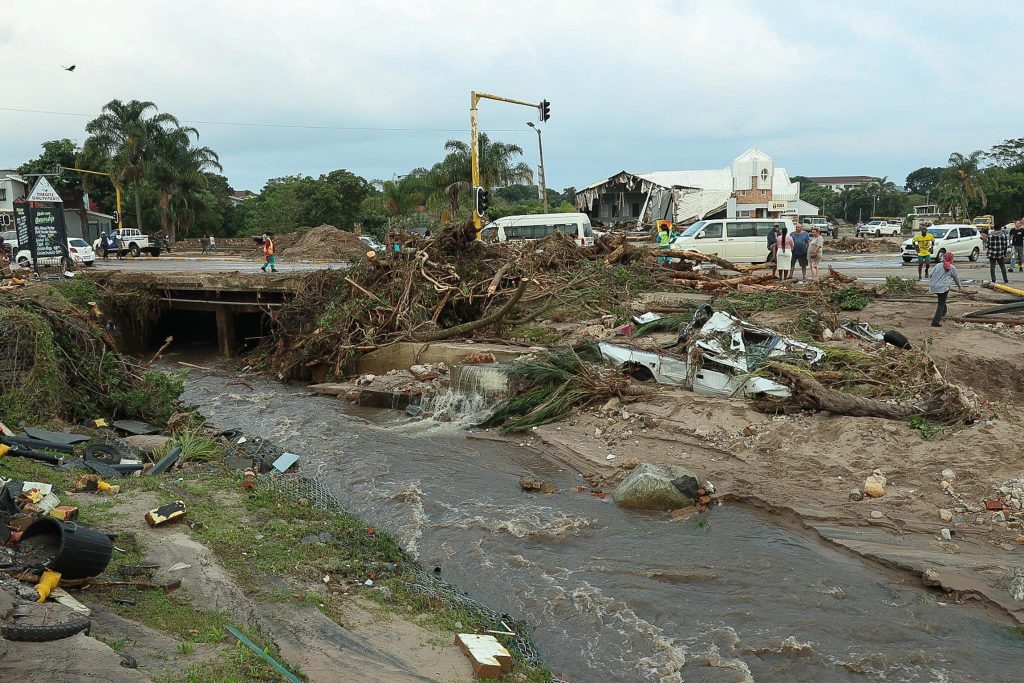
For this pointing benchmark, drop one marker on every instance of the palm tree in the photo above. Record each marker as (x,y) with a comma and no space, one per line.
(127,131)
(497,162)
(179,171)
(963,182)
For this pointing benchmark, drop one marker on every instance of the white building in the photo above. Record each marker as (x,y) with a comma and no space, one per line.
(12,186)
(838,183)
(751,186)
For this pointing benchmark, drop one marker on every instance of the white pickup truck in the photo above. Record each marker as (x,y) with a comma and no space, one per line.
(132,242)
(879,229)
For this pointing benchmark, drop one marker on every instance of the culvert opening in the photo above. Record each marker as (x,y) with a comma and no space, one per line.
(199,330)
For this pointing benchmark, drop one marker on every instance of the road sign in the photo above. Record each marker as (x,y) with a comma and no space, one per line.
(44,192)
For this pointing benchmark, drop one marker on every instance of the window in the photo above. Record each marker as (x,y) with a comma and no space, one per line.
(743,214)
(764,175)
(742,229)
(712,231)
(3,194)
(968,232)
(762,228)
(952,234)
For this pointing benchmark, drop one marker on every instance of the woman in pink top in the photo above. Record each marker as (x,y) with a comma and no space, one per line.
(784,254)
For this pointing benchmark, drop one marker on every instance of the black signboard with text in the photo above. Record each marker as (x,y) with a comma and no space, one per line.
(40,224)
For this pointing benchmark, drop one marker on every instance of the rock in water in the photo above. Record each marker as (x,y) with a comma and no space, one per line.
(1017,585)
(650,487)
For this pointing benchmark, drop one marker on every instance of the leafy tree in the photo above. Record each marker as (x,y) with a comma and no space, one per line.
(127,132)
(963,183)
(178,170)
(58,153)
(924,180)
(1008,153)
(288,203)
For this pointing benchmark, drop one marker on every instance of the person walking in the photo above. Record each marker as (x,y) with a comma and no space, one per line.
(996,247)
(664,241)
(924,242)
(1017,246)
(815,249)
(104,245)
(773,238)
(268,253)
(213,244)
(205,244)
(939,282)
(800,241)
(784,254)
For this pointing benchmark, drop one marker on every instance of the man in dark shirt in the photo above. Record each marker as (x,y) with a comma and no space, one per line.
(1017,246)
(997,246)
(800,241)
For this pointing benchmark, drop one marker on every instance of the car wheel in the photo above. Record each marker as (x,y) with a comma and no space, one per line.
(975,254)
(24,263)
(135,251)
(154,252)
(907,259)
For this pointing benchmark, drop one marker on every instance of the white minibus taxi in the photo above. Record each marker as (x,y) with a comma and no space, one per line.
(740,240)
(540,225)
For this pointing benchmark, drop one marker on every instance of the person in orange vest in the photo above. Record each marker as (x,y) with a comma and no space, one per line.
(268,253)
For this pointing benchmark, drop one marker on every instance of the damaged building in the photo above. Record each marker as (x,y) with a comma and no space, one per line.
(750,187)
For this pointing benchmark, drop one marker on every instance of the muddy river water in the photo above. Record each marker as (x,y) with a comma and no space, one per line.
(617,595)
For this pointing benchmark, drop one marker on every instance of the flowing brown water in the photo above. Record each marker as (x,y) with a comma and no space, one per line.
(616,595)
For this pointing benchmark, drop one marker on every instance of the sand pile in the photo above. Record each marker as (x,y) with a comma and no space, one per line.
(326,243)
(862,245)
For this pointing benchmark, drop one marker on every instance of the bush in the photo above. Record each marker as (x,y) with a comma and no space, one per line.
(851,298)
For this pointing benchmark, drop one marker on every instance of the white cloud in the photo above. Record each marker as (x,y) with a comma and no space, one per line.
(656,84)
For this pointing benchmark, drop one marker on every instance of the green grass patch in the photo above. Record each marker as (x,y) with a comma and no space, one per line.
(171,613)
(79,291)
(851,298)
(538,335)
(237,664)
(924,427)
(897,286)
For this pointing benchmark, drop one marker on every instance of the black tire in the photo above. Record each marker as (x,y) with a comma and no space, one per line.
(975,254)
(896,339)
(67,264)
(907,259)
(134,250)
(101,452)
(153,252)
(45,634)
(24,263)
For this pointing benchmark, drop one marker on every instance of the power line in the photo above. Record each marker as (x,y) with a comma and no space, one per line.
(280,125)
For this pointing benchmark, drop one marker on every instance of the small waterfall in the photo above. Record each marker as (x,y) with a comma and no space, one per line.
(475,390)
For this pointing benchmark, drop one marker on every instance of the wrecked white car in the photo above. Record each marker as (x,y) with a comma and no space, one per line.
(716,355)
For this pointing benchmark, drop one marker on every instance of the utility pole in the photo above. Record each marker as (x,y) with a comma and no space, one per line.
(544,109)
(540,169)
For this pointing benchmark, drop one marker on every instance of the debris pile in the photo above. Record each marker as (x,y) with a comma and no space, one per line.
(862,245)
(326,243)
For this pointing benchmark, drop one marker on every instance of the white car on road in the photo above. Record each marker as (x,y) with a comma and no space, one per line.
(80,251)
(879,229)
(960,239)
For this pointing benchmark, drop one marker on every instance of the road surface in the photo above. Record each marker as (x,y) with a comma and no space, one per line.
(865,266)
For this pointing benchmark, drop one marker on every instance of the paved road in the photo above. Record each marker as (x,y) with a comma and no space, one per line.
(170,264)
(866,266)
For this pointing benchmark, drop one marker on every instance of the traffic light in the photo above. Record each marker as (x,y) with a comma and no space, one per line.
(481,201)
(545,111)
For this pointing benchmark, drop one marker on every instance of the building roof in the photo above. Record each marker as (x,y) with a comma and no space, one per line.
(842,179)
(242,194)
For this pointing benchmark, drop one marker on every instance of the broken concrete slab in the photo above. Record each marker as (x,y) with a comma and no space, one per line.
(488,657)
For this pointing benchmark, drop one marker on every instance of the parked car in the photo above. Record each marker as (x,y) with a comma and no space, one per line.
(133,242)
(959,239)
(10,242)
(540,225)
(740,240)
(79,251)
(879,229)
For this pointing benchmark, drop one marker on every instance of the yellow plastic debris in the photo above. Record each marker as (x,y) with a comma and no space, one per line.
(46,584)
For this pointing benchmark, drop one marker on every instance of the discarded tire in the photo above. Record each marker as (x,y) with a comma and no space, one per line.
(44,634)
(896,339)
(101,452)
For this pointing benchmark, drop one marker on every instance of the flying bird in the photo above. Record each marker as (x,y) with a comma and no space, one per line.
(68,68)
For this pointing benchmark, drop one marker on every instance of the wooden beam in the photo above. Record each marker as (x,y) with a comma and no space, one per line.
(226,332)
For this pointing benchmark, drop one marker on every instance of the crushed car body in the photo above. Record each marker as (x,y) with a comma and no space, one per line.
(717,354)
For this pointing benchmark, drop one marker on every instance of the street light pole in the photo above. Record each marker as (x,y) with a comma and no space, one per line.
(540,169)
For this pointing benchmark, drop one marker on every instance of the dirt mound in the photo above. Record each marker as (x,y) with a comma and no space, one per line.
(862,245)
(326,243)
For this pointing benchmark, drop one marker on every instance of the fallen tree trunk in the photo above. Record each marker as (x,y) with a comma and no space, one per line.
(473,325)
(707,258)
(949,403)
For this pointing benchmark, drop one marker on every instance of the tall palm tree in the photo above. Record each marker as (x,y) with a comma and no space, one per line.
(498,167)
(190,184)
(127,131)
(963,182)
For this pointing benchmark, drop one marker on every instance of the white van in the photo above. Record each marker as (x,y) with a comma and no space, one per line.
(740,240)
(540,225)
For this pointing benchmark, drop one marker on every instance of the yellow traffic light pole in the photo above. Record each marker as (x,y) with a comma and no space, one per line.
(474,148)
(117,188)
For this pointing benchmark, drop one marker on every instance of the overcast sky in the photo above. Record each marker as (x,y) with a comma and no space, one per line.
(827,88)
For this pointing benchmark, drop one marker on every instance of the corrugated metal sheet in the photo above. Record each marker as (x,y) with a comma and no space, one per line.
(693,206)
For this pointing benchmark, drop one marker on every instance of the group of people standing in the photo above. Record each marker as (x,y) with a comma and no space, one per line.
(787,249)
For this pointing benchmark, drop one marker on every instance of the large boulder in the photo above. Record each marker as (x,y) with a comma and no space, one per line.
(651,487)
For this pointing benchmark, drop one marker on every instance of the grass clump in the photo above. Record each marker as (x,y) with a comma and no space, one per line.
(78,291)
(898,286)
(196,446)
(851,298)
